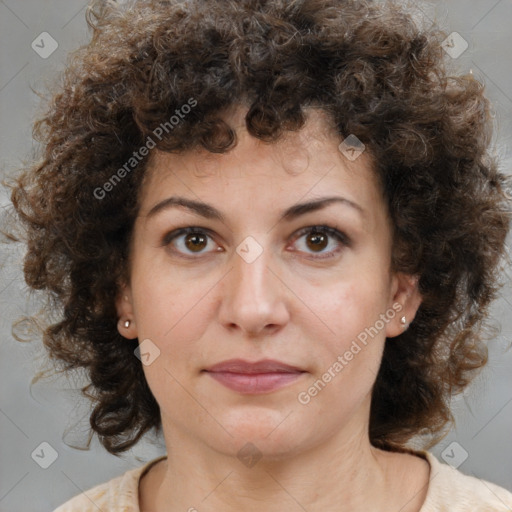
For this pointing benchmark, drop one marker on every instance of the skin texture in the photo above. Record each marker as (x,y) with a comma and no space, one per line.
(177,66)
(285,305)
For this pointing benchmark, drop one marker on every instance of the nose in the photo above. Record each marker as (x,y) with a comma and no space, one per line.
(253,297)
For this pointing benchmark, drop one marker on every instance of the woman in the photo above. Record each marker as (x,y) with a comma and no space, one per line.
(273,229)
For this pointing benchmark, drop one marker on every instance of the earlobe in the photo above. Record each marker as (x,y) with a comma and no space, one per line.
(126,318)
(406,301)
(127,328)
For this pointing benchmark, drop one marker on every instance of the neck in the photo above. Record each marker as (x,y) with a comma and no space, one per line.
(346,470)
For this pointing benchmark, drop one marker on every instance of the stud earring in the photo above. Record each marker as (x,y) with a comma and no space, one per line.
(127,324)
(403,321)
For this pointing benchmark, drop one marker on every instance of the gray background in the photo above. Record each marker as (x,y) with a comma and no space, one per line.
(31,416)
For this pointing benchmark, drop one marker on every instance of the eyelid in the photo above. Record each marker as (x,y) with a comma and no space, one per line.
(175,233)
(331,231)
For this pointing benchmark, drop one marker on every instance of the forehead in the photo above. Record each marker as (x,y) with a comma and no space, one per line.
(307,161)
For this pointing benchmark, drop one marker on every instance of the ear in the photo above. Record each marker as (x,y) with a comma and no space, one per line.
(124,308)
(405,301)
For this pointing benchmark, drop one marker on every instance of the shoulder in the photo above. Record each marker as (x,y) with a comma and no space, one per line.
(450,490)
(121,493)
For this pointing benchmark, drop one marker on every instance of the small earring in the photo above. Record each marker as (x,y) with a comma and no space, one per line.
(127,323)
(403,321)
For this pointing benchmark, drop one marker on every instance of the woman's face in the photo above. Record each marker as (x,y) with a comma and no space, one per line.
(259,284)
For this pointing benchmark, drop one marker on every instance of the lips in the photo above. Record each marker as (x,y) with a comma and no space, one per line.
(258,367)
(254,378)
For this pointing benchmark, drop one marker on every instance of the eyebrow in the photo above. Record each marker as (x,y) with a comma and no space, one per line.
(210,212)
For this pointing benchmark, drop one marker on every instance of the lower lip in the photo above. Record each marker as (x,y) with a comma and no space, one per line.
(252,384)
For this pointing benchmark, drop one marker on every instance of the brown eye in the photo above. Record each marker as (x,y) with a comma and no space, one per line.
(195,242)
(187,241)
(317,241)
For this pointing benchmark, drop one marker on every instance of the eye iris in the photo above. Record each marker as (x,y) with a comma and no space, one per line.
(317,237)
(192,242)
(316,240)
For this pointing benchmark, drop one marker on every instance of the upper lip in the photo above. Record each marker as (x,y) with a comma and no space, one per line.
(262,366)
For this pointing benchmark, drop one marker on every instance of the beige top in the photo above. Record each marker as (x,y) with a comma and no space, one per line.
(449,491)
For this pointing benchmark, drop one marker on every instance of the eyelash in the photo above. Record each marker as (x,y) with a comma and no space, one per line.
(330,231)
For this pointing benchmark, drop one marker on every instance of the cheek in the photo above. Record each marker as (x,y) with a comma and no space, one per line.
(350,308)
(166,302)
(174,319)
(354,340)
(173,316)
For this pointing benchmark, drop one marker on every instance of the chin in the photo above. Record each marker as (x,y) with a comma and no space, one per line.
(257,422)
(269,432)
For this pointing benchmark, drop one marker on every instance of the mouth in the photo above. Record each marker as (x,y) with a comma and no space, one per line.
(254,378)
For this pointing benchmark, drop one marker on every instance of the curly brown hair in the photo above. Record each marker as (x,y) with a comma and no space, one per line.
(373,69)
